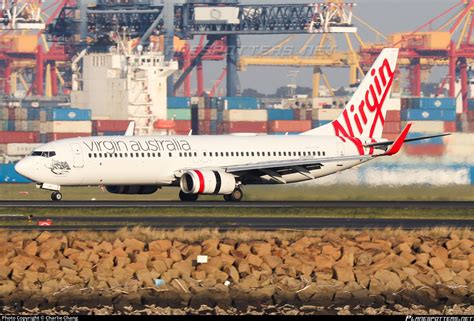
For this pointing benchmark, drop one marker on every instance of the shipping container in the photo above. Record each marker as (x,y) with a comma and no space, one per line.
(470,115)
(392,127)
(20,149)
(199,101)
(326,114)
(431,127)
(179,114)
(425,150)
(470,104)
(319,123)
(390,136)
(109,133)
(9,175)
(281,114)
(204,127)
(207,114)
(246,127)
(429,114)
(179,103)
(450,126)
(69,127)
(110,125)
(392,116)
(245,115)
(433,103)
(241,103)
(182,126)
(289,126)
(68,114)
(393,104)
(33,114)
(7,137)
(286,134)
(58,136)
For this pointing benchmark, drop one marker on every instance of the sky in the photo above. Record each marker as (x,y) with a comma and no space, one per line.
(388,16)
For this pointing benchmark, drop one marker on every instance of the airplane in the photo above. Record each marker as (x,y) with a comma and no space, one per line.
(222,165)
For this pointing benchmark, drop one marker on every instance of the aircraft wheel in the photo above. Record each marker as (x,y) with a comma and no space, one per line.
(188,197)
(56,196)
(236,196)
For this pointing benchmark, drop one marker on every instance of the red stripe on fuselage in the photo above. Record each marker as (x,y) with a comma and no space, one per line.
(201,181)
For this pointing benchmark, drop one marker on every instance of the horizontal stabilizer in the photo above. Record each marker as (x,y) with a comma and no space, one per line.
(388,143)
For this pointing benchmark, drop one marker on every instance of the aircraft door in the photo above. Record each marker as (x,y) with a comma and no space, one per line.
(341,152)
(78,159)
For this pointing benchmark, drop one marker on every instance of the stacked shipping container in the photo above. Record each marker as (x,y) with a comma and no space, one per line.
(428,116)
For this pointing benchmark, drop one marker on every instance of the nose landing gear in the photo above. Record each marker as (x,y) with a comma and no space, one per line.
(56,196)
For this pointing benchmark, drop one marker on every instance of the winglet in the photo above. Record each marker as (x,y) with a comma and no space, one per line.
(130,129)
(397,145)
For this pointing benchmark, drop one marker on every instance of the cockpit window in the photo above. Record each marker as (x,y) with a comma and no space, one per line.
(43,154)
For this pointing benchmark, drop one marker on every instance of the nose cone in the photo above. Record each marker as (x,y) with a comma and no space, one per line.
(22,168)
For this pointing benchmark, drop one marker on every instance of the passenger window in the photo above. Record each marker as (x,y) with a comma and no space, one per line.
(170,154)
(180,155)
(299,153)
(227,154)
(324,153)
(143,155)
(95,155)
(159,154)
(126,155)
(232,154)
(120,155)
(100,155)
(204,154)
(279,153)
(105,155)
(90,155)
(116,155)
(195,154)
(131,155)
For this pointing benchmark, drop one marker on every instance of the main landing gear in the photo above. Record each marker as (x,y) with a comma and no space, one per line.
(56,196)
(236,196)
(188,197)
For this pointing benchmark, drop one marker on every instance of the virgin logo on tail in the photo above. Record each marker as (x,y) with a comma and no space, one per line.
(361,119)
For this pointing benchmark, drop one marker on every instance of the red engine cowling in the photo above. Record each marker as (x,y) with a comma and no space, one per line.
(207,182)
(132,189)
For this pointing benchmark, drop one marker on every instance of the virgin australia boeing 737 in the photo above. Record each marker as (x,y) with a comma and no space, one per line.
(221,165)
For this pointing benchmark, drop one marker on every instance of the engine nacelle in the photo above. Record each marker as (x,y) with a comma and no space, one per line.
(132,189)
(207,182)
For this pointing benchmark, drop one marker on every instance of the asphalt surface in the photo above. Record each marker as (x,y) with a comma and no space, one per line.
(256,204)
(232,223)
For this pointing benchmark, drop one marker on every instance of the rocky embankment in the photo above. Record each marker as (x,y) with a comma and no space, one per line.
(327,269)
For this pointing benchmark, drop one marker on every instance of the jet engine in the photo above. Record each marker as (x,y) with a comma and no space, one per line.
(131,189)
(211,182)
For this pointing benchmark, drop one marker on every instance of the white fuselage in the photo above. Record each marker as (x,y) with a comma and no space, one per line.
(157,160)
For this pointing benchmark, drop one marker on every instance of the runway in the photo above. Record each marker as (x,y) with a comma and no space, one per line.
(231,223)
(250,204)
